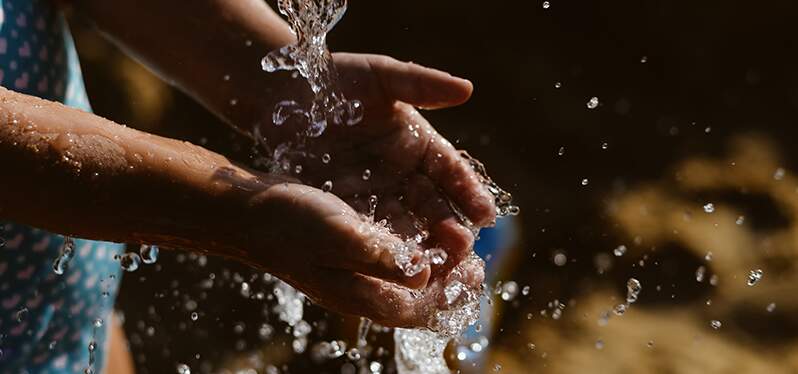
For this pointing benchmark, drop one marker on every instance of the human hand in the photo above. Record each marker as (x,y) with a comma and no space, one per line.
(395,154)
(317,243)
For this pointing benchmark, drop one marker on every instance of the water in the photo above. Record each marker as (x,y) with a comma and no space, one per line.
(593,103)
(421,350)
(754,276)
(148,253)
(619,250)
(311,21)
(61,263)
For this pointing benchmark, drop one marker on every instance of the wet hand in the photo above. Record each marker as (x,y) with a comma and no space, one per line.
(396,155)
(320,245)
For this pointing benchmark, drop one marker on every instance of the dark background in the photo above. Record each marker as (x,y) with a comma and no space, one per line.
(675,79)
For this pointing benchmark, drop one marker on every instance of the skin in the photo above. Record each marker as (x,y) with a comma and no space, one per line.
(135,187)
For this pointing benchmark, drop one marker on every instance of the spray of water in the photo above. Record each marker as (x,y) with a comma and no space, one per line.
(417,350)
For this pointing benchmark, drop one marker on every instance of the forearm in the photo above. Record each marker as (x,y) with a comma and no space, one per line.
(211,49)
(72,172)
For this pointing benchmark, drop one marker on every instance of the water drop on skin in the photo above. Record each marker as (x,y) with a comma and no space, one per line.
(585,182)
(561,151)
(194,316)
(557,85)
(709,208)
(325,158)
(771,307)
(546,5)
(327,186)
(643,59)
(715,324)
(366,174)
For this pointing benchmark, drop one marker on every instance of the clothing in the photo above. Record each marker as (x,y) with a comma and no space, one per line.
(47,321)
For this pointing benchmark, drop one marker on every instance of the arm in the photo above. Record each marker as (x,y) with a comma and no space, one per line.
(73,172)
(194,45)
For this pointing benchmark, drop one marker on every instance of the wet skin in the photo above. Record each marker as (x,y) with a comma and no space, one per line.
(175,194)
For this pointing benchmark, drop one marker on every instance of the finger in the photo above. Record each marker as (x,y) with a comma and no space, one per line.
(445,228)
(371,250)
(454,175)
(419,86)
(360,295)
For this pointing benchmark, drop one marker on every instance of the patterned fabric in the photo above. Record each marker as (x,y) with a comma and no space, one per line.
(47,321)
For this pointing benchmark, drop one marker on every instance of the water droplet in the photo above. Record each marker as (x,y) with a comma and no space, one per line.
(557,85)
(599,344)
(226,77)
(354,112)
(546,5)
(619,250)
(633,288)
(233,102)
(740,220)
(284,110)
(561,151)
(509,291)
(771,307)
(713,280)
(779,174)
(325,158)
(130,261)
(183,369)
(149,253)
(699,274)
(525,290)
(353,354)
(754,276)
(366,174)
(327,186)
(620,309)
(643,59)
(708,256)
(593,103)
(375,367)
(650,344)
(298,169)
(98,323)
(604,145)
(21,315)
(715,324)
(709,208)
(585,182)
(560,259)
(194,316)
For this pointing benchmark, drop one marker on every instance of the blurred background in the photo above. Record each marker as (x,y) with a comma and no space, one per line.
(685,162)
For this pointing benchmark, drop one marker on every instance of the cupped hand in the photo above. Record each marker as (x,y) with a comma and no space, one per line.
(320,245)
(420,180)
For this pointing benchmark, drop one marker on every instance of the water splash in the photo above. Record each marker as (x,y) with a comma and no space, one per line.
(311,21)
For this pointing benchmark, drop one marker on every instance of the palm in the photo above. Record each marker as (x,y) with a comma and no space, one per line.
(397,156)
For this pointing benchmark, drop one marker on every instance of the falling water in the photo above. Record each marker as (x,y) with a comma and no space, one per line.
(420,350)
